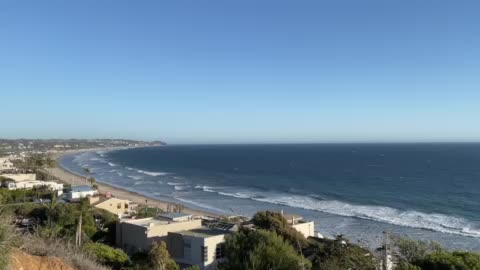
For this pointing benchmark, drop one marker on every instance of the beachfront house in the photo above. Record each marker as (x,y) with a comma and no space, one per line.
(79,192)
(203,247)
(140,234)
(115,206)
(307,228)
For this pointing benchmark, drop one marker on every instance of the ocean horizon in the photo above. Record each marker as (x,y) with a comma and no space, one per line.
(428,191)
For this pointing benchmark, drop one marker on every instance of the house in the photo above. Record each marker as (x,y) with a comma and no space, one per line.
(18,177)
(139,234)
(28,181)
(5,164)
(203,247)
(79,192)
(115,206)
(307,228)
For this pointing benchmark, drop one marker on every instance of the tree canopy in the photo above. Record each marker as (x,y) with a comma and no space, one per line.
(261,249)
(274,221)
(107,255)
(160,258)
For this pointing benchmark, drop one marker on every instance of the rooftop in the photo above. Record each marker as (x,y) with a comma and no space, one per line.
(174,216)
(147,222)
(81,188)
(202,232)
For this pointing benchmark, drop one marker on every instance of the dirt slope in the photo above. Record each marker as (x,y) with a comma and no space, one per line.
(22,261)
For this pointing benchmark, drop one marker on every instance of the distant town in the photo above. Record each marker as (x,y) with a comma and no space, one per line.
(52,145)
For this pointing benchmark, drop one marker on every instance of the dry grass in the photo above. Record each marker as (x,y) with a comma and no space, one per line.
(8,240)
(56,247)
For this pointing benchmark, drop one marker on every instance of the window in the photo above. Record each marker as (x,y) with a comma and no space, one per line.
(220,251)
(204,254)
(119,205)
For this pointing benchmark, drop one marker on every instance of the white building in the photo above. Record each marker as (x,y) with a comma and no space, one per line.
(79,192)
(307,228)
(28,181)
(18,177)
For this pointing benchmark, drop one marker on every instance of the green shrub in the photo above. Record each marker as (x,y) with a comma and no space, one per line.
(274,221)
(160,258)
(193,267)
(260,249)
(458,260)
(145,211)
(338,254)
(107,255)
(8,240)
(406,266)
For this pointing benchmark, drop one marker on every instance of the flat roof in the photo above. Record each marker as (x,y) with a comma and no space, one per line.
(81,188)
(202,232)
(174,215)
(145,222)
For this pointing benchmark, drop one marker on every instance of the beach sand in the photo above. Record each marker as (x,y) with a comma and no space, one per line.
(74,179)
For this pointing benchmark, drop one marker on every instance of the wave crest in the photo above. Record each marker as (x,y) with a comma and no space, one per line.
(409,218)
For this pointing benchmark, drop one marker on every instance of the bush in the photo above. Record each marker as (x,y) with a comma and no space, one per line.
(8,240)
(250,250)
(339,255)
(160,258)
(60,248)
(193,267)
(274,221)
(458,260)
(145,211)
(107,255)
(406,266)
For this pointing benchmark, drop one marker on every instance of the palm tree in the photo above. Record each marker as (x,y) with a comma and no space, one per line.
(51,209)
(92,181)
(87,172)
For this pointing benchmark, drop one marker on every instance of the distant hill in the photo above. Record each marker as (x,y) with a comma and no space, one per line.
(41,145)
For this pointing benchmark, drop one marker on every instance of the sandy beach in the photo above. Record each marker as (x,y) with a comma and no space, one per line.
(74,179)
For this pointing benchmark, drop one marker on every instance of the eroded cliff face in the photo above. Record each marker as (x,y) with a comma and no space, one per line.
(23,261)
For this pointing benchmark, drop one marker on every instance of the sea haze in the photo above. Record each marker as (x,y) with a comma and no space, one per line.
(427,191)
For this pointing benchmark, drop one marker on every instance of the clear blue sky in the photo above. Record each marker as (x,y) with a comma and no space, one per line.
(241,71)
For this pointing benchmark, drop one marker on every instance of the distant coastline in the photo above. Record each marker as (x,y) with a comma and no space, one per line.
(72,178)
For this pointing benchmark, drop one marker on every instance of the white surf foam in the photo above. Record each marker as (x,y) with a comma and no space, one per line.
(181,187)
(202,205)
(152,173)
(134,177)
(112,164)
(409,218)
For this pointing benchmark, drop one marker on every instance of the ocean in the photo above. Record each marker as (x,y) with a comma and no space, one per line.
(425,191)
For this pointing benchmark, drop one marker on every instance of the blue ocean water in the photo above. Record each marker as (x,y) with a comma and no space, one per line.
(426,191)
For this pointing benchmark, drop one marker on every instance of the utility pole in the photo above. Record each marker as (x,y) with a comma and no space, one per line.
(78,235)
(386,261)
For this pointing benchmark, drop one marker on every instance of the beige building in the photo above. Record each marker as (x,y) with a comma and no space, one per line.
(6,164)
(307,228)
(115,206)
(202,247)
(140,234)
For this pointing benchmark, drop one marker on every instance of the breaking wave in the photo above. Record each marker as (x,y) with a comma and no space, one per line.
(408,218)
(152,173)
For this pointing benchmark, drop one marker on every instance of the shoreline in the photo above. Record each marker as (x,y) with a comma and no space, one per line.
(67,177)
